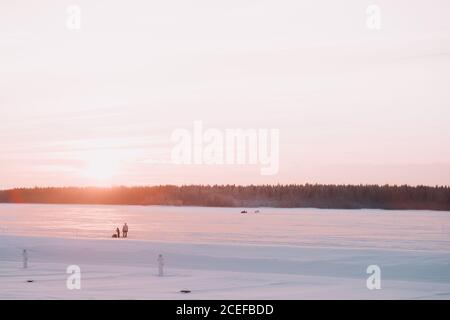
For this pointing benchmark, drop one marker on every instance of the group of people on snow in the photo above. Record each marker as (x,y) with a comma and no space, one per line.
(124,231)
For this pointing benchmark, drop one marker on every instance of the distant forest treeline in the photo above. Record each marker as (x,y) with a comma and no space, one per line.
(285,196)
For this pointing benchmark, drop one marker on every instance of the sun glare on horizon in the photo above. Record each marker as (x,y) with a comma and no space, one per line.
(102,168)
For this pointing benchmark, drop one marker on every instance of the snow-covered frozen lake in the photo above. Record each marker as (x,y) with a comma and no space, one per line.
(427,230)
(221,253)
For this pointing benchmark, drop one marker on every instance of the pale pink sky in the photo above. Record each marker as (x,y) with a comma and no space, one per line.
(352,105)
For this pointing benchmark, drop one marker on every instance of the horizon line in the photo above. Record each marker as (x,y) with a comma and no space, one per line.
(228,185)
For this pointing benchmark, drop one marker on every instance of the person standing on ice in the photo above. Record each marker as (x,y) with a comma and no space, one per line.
(125,230)
(118,232)
(160,265)
(25,258)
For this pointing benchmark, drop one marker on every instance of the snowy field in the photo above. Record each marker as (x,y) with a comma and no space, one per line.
(219,253)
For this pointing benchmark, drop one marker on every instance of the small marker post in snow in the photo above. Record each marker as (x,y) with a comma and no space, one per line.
(160,265)
(25,258)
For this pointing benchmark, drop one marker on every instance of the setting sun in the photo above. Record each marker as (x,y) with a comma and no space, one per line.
(102,168)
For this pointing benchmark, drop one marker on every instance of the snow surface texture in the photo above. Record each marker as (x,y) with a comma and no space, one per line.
(219,253)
